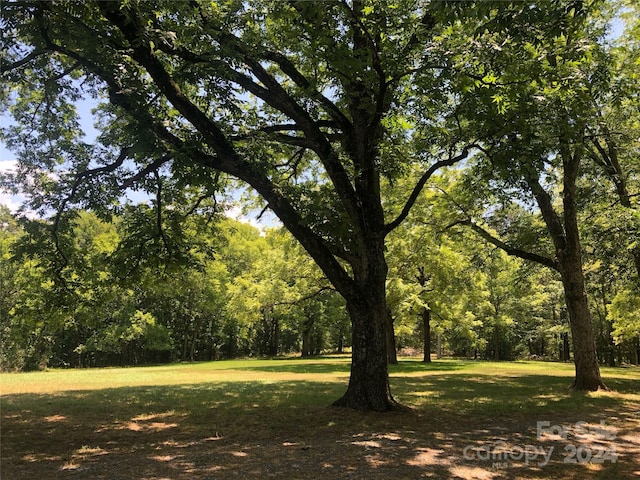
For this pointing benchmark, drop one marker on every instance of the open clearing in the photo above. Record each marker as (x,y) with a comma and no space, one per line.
(271,419)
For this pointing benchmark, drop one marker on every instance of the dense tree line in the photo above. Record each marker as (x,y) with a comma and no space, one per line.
(343,116)
(249,292)
(258,295)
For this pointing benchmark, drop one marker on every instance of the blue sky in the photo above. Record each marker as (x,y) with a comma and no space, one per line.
(7,159)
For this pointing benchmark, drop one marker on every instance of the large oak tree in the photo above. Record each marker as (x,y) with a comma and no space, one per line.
(299,100)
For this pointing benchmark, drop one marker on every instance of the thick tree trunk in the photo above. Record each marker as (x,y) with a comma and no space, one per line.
(570,265)
(367,306)
(584,347)
(369,381)
(306,343)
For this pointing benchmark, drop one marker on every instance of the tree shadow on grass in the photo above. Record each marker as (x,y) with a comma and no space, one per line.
(474,393)
(320,365)
(463,426)
(311,366)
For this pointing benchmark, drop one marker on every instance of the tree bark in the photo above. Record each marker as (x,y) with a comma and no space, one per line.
(275,336)
(566,353)
(584,348)
(368,387)
(422,279)
(426,332)
(570,263)
(340,348)
(306,343)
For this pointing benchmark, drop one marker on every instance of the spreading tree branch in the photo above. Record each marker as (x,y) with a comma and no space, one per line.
(228,160)
(417,189)
(509,249)
(7,67)
(151,168)
(300,300)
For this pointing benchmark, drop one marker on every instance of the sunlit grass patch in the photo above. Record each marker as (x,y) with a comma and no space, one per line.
(59,380)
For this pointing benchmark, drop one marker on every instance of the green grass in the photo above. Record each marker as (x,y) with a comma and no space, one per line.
(489,388)
(86,420)
(450,385)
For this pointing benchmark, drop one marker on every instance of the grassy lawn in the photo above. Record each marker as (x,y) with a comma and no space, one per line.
(271,419)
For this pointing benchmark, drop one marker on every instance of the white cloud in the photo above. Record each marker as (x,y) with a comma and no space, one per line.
(7,199)
(235,212)
(268,219)
(10,201)
(7,165)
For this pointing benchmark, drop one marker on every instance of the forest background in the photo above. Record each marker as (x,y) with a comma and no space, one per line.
(237,290)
